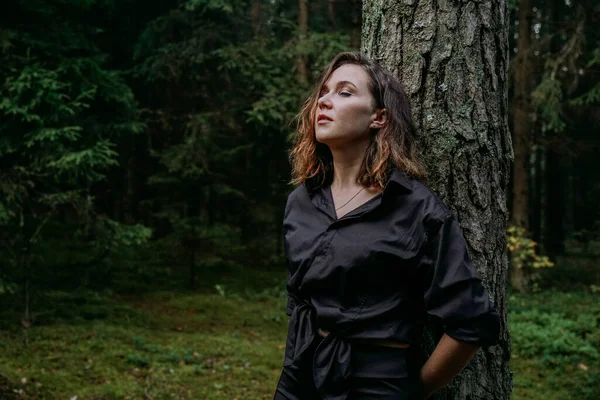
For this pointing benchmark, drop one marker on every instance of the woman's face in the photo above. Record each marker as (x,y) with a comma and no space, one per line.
(346,108)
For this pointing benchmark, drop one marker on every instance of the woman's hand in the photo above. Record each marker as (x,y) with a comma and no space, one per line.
(447,360)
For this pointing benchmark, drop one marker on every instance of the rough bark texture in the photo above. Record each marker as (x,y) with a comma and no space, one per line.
(452,58)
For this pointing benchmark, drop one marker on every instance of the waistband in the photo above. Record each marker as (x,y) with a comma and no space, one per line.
(377,342)
(340,355)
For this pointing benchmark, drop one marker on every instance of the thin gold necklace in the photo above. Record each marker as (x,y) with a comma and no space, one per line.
(350,199)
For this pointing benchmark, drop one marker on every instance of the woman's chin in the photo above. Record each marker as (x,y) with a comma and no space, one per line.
(327,137)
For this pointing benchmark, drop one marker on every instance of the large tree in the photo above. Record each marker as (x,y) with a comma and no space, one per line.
(453,60)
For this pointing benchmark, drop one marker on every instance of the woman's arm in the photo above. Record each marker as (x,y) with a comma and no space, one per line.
(447,360)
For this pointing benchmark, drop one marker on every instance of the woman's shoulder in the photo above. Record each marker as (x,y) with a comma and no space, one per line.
(300,193)
(423,200)
(299,198)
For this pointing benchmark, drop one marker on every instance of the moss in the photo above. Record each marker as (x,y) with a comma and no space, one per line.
(209,346)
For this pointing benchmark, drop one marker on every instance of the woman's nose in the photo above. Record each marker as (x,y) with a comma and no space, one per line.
(324,101)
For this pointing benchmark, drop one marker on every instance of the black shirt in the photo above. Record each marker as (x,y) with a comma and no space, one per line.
(378,272)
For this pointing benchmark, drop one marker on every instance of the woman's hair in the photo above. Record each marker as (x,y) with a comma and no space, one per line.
(392,146)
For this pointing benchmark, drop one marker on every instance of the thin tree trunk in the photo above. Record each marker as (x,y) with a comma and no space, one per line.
(521,133)
(331,15)
(452,58)
(536,200)
(555,201)
(301,66)
(521,121)
(570,193)
(256,18)
(554,232)
(356,23)
(130,186)
(26,267)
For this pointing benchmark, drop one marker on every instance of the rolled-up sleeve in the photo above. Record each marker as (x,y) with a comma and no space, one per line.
(453,291)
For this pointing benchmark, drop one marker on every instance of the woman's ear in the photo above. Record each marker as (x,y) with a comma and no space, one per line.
(380,119)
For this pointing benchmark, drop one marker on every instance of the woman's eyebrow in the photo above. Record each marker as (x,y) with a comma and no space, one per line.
(341,83)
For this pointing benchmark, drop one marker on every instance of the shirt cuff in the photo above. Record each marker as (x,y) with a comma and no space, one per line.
(483,330)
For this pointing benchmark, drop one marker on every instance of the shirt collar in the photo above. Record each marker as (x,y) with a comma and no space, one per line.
(399,178)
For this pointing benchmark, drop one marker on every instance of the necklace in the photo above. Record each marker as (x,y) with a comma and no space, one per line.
(350,199)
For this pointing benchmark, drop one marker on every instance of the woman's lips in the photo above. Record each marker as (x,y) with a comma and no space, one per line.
(323,119)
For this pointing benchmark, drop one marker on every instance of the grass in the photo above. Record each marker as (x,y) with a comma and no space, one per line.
(163,346)
(228,342)
(556,345)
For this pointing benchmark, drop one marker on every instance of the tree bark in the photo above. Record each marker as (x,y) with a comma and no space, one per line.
(301,66)
(452,58)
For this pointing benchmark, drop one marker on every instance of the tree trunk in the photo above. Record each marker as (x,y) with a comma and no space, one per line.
(538,193)
(303,30)
(26,266)
(554,233)
(521,122)
(556,199)
(331,14)
(452,58)
(256,18)
(521,132)
(569,205)
(130,186)
(356,23)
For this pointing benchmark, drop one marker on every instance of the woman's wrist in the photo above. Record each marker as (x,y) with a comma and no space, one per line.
(427,387)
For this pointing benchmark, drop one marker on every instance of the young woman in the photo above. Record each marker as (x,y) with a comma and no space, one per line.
(372,252)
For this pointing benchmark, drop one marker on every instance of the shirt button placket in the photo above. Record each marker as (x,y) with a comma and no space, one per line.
(327,239)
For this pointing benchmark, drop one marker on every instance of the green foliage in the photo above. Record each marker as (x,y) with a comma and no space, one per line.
(121,235)
(592,96)
(555,344)
(568,85)
(56,140)
(225,6)
(551,335)
(197,345)
(210,346)
(228,140)
(548,98)
(584,242)
(522,251)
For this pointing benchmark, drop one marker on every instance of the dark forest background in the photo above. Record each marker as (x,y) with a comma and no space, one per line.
(144,149)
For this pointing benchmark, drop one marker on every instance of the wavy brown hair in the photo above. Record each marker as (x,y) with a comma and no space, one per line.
(392,146)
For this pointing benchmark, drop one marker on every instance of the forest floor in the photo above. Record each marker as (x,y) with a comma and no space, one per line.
(226,345)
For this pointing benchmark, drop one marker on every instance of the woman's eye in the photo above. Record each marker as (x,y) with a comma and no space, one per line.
(345,94)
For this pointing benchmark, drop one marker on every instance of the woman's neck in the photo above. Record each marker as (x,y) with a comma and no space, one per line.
(346,167)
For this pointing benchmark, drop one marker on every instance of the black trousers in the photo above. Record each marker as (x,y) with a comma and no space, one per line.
(378,373)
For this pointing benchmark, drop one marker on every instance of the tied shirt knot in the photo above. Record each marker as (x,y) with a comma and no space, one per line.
(331,359)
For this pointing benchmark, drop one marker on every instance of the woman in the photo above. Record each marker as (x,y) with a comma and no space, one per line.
(372,253)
